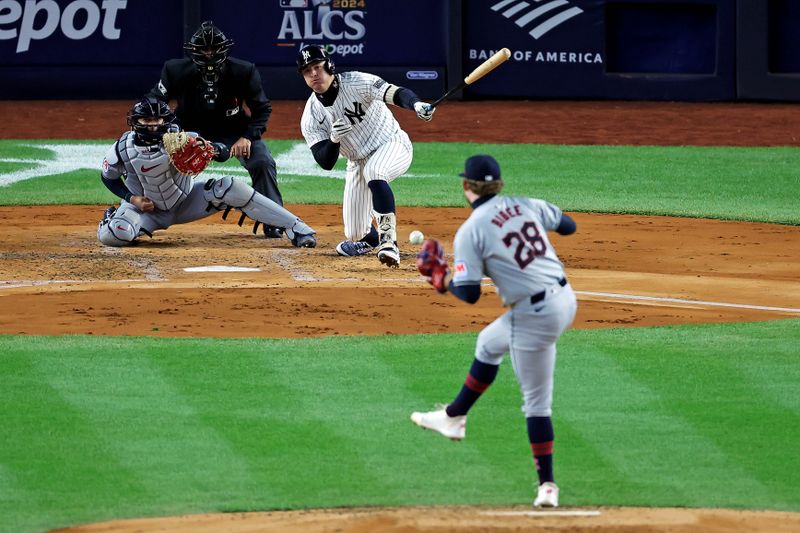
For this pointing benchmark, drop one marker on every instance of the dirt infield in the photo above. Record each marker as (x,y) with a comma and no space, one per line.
(628,271)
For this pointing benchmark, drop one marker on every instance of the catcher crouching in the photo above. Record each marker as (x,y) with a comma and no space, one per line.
(152,168)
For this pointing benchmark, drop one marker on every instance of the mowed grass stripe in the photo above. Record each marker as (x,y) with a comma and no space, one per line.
(728,408)
(54,458)
(147,426)
(659,453)
(692,374)
(360,393)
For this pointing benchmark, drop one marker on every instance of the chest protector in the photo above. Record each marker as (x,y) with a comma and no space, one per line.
(149,173)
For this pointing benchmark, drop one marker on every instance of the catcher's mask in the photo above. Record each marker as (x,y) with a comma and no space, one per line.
(311,54)
(208,48)
(150,108)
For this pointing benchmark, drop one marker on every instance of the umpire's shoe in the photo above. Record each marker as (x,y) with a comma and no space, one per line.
(304,240)
(353,248)
(452,427)
(271,232)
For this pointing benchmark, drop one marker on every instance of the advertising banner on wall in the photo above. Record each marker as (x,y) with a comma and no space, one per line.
(634,49)
(50,44)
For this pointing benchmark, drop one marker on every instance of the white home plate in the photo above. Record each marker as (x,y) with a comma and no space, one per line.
(542,513)
(221,268)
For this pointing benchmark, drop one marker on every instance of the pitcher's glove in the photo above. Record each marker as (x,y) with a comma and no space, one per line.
(431,264)
(189,155)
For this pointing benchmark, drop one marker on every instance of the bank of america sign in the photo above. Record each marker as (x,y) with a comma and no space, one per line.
(540,16)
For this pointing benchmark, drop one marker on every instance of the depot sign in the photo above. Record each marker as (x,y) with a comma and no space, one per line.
(34,20)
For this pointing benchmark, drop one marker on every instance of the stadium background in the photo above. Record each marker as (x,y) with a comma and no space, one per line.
(56,55)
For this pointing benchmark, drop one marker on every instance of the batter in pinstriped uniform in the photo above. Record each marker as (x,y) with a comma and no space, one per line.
(506,239)
(347,114)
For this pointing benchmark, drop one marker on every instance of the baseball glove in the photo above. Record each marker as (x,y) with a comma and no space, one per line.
(431,264)
(189,155)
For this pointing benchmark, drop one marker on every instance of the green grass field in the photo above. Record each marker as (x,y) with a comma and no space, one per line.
(758,184)
(101,428)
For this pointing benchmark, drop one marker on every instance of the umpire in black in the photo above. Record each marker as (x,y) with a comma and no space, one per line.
(210,88)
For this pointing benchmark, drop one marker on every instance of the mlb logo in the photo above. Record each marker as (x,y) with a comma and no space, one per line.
(105,165)
(294,3)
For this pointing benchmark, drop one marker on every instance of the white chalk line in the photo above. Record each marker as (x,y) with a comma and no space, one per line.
(541,513)
(688,302)
(285,262)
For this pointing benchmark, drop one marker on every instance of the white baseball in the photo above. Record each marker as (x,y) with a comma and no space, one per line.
(416,237)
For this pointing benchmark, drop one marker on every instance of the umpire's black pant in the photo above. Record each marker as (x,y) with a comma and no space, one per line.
(261,167)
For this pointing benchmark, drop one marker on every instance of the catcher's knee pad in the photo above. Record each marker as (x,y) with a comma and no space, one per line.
(227,191)
(117,230)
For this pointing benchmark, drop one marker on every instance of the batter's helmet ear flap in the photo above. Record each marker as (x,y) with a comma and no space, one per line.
(313,53)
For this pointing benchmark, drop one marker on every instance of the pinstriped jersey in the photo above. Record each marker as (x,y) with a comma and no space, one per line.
(505,238)
(360,100)
(148,172)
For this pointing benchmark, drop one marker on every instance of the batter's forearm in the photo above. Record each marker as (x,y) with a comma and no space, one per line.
(326,153)
(405,98)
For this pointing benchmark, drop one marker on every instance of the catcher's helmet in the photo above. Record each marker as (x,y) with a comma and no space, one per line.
(311,54)
(149,107)
(208,47)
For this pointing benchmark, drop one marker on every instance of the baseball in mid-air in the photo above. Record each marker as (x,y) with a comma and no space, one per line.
(416,237)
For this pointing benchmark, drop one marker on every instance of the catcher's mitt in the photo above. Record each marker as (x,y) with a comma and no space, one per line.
(189,155)
(431,264)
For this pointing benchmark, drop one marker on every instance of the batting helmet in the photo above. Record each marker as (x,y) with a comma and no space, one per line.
(208,47)
(311,54)
(149,107)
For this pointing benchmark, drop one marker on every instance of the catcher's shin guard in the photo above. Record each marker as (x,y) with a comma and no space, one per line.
(229,192)
(119,227)
(388,253)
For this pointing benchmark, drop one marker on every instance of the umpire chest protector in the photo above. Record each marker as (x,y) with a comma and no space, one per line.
(224,118)
(149,173)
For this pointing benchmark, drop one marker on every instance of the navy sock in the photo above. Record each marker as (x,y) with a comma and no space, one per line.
(541,437)
(371,238)
(382,196)
(480,376)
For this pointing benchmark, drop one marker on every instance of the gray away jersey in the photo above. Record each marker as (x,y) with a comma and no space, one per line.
(147,172)
(360,100)
(506,239)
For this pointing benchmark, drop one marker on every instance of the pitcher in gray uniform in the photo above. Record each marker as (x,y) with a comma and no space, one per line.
(155,195)
(505,239)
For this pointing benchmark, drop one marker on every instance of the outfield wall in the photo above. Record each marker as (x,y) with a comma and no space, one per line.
(693,50)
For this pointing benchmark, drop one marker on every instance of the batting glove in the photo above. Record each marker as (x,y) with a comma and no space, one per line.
(424,111)
(339,129)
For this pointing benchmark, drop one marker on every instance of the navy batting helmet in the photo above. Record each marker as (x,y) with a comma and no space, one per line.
(311,54)
(149,107)
(208,47)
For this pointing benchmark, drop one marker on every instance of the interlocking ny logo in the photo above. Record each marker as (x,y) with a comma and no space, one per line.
(356,114)
(543,24)
(306,55)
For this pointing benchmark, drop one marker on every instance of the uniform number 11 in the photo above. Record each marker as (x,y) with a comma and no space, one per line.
(528,234)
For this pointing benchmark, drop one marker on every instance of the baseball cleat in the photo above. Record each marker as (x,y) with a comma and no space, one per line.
(454,428)
(353,248)
(389,255)
(547,495)
(304,241)
(271,232)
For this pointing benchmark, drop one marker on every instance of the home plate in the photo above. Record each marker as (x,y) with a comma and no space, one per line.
(542,513)
(221,268)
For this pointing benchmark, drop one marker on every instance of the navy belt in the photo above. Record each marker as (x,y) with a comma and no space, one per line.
(539,296)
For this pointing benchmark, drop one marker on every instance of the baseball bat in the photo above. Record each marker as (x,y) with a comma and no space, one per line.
(500,57)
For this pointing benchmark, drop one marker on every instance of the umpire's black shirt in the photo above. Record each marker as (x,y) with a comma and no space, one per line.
(239,81)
